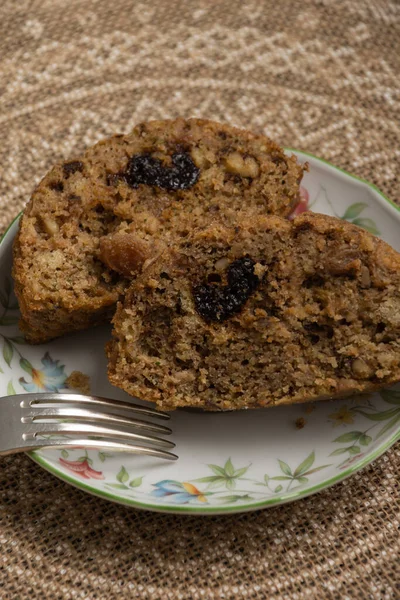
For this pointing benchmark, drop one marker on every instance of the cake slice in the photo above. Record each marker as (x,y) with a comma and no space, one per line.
(94,221)
(266,313)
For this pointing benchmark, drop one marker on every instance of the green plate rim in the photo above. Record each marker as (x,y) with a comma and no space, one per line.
(276,500)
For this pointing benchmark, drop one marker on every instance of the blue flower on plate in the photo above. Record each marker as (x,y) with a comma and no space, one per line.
(50,378)
(177,492)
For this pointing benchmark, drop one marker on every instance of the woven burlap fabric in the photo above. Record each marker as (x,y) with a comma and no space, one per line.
(315,75)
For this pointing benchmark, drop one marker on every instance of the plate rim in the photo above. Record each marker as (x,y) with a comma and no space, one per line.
(276,500)
(211,510)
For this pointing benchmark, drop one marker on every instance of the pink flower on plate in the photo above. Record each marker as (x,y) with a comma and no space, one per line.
(81,468)
(302,205)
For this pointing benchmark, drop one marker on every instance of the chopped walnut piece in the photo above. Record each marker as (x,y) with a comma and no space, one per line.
(245,167)
(124,252)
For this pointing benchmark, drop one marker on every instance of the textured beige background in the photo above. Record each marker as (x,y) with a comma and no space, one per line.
(316,75)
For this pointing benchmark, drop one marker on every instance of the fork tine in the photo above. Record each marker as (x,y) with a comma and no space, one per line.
(38,444)
(38,411)
(36,429)
(48,397)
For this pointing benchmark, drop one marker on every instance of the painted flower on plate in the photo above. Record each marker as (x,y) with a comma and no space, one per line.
(303,204)
(177,492)
(342,416)
(50,378)
(81,468)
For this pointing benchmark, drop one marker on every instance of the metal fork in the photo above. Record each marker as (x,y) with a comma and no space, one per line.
(93,421)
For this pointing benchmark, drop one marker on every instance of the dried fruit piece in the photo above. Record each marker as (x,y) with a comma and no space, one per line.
(216,303)
(72,167)
(144,169)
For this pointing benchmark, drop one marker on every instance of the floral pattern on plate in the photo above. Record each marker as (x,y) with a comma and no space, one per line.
(229,462)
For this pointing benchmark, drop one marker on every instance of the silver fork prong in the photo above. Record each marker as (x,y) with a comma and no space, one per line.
(54,398)
(38,444)
(37,429)
(37,411)
(39,420)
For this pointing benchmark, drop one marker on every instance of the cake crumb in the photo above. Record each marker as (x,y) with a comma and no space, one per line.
(309,408)
(300,423)
(78,381)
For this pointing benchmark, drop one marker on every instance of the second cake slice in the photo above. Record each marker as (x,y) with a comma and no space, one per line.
(265,313)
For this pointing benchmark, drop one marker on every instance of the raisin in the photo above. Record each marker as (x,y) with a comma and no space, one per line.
(164,275)
(72,167)
(316,328)
(380,328)
(218,303)
(214,278)
(144,169)
(57,186)
(313,281)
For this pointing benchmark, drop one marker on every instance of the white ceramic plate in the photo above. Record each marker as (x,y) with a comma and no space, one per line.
(228,462)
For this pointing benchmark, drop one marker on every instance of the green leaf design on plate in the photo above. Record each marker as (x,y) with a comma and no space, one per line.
(365,439)
(8,320)
(26,365)
(64,453)
(217,470)
(117,486)
(10,389)
(285,467)
(305,465)
(229,470)
(368,225)
(234,498)
(123,475)
(103,455)
(351,436)
(354,210)
(8,352)
(390,396)
(338,451)
(230,484)
(209,478)
(223,476)
(19,339)
(379,416)
(136,482)
(240,472)
(278,489)
(316,469)
(388,426)
(302,480)
(219,482)
(354,449)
